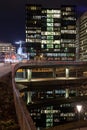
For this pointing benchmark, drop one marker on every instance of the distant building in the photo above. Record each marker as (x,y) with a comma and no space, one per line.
(6,49)
(51,32)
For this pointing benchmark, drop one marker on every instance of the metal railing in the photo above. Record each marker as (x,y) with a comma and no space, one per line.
(53,64)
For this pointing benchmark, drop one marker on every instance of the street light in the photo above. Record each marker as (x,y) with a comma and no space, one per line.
(79,108)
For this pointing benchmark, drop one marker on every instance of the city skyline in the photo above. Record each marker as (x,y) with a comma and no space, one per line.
(12,27)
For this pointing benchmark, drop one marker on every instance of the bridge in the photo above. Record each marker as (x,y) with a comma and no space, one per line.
(39,75)
(24,118)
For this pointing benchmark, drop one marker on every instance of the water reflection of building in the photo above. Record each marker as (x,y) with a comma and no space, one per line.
(52,115)
(49,103)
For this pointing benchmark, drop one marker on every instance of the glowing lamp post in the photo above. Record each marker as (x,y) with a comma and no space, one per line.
(79,108)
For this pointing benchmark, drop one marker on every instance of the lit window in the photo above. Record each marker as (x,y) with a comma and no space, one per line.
(56,15)
(33,7)
(68,9)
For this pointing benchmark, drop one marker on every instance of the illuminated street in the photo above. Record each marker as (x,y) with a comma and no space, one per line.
(4,69)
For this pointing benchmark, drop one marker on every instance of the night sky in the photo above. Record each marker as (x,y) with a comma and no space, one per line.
(12,20)
(12,16)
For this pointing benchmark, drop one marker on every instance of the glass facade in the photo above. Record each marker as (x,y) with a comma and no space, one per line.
(83,37)
(51,31)
(68,32)
(33,29)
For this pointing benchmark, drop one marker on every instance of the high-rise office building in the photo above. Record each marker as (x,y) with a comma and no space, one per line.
(77,39)
(33,29)
(68,32)
(83,37)
(51,32)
